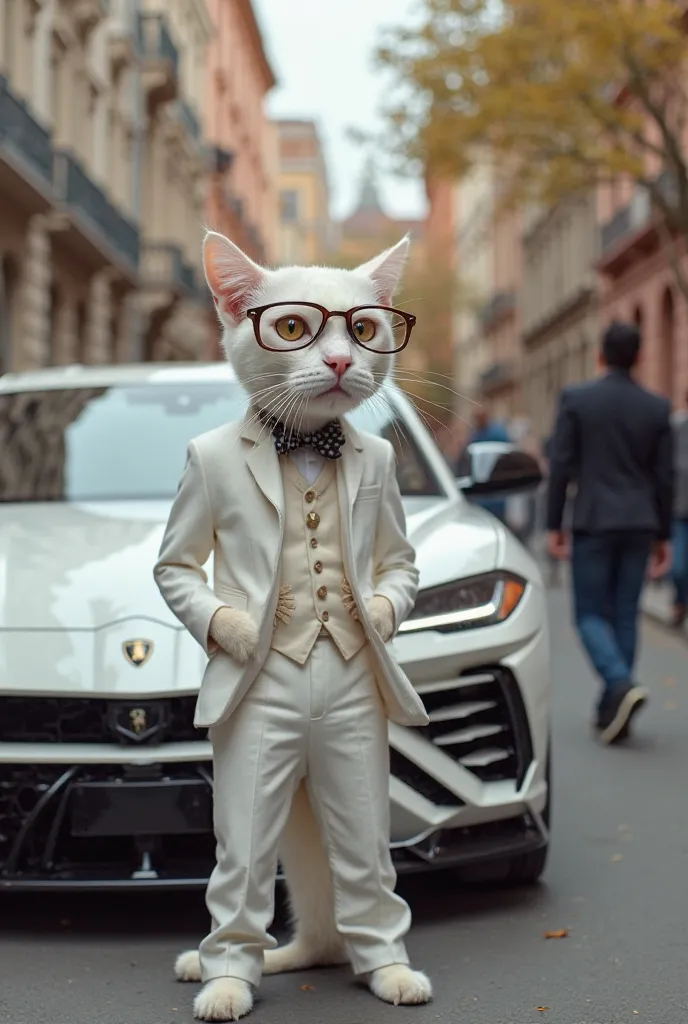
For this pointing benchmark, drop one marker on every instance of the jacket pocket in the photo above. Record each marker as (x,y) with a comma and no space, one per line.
(369,493)
(234,598)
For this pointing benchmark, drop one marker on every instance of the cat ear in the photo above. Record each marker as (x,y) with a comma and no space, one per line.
(386,269)
(232,277)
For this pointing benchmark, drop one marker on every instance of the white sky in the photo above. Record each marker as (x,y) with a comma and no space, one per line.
(321,52)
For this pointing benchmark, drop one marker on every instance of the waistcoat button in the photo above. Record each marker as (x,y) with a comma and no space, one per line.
(318,567)
(314,542)
(325,616)
(322,592)
(312,520)
(309,496)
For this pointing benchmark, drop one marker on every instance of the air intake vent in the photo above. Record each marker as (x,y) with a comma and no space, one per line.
(479,720)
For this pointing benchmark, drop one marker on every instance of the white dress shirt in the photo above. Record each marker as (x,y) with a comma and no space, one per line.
(309,463)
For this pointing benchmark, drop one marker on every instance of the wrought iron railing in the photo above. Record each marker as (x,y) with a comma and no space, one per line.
(22,131)
(76,189)
(155,40)
(499,305)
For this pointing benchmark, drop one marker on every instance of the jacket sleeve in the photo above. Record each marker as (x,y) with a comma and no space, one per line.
(186,546)
(563,461)
(664,476)
(395,573)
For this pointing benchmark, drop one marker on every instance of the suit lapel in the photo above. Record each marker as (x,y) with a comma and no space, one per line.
(263,463)
(348,484)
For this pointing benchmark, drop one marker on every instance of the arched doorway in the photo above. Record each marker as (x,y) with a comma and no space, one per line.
(666,347)
(9,277)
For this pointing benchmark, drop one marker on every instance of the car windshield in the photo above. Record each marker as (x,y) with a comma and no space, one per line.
(128,442)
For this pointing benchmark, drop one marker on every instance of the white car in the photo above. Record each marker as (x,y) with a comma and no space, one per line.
(103,779)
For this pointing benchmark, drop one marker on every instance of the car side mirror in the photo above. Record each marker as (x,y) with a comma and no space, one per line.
(497,469)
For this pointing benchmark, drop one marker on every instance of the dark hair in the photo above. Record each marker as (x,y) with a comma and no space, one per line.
(621,345)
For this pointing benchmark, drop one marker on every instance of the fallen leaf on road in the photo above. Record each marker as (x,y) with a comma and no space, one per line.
(561,934)
(617,857)
(307,988)
(542,1009)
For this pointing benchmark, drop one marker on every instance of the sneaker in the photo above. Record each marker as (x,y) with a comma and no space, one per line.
(616,711)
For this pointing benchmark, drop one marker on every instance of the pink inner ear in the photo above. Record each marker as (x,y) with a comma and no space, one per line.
(232,276)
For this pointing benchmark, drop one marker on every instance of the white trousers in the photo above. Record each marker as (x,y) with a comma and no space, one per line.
(322,721)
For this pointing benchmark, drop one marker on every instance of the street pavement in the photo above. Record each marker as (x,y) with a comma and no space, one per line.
(617,881)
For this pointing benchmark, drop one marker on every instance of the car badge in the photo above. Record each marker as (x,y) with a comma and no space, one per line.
(138,719)
(137,652)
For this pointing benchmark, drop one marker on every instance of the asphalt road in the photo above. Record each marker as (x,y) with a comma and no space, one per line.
(617,880)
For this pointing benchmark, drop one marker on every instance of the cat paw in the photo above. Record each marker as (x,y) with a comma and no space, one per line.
(382,616)
(400,985)
(299,956)
(235,632)
(223,999)
(187,966)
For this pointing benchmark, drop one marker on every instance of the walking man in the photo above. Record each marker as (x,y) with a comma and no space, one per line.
(613,439)
(680,532)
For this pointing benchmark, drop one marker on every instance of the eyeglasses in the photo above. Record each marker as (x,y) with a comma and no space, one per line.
(289,326)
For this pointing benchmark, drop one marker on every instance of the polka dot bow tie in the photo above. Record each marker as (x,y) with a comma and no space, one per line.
(327,441)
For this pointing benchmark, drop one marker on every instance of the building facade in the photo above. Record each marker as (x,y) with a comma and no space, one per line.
(474,257)
(559,304)
(242,200)
(500,320)
(104,175)
(638,284)
(305,234)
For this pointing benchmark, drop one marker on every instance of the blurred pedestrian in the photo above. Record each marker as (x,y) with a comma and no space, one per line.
(680,530)
(614,440)
(486,429)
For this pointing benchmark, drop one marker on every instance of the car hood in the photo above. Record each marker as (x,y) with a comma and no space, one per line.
(76,588)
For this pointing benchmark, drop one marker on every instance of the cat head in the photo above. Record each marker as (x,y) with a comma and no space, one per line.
(297,381)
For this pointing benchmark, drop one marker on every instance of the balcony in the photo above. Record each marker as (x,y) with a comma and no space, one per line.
(160,59)
(103,226)
(501,305)
(164,270)
(497,376)
(630,233)
(26,154)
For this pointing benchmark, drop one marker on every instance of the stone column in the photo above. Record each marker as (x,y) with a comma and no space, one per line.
(65,338)
(32,349)
(99,322)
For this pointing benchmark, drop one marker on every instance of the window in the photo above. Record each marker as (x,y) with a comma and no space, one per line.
(289,206)
(129,442)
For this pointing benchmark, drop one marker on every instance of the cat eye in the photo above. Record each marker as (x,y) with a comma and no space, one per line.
(290,326)
(364,329)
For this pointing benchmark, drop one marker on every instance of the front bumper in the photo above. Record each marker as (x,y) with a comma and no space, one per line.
(79,812)
(87,828)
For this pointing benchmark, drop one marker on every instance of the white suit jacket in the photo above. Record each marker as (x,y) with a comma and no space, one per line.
(230,503)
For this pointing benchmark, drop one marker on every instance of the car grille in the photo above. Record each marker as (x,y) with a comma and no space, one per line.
(479,720)
(96,720)
(36,824)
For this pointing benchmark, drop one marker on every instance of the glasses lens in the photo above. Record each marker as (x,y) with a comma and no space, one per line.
(380,330)
(289,325)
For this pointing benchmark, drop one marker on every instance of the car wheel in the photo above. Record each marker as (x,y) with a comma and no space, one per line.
(527,868)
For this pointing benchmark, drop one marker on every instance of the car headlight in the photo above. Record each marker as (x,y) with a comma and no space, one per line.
(464,604)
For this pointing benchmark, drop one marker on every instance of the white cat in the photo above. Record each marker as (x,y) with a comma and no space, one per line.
(306,388)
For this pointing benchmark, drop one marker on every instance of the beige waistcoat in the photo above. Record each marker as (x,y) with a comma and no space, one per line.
(314,594)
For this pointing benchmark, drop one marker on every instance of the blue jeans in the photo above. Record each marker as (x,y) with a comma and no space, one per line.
(608,575)
(679,569)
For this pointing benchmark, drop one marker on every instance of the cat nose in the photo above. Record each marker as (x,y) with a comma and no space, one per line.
(340,364)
